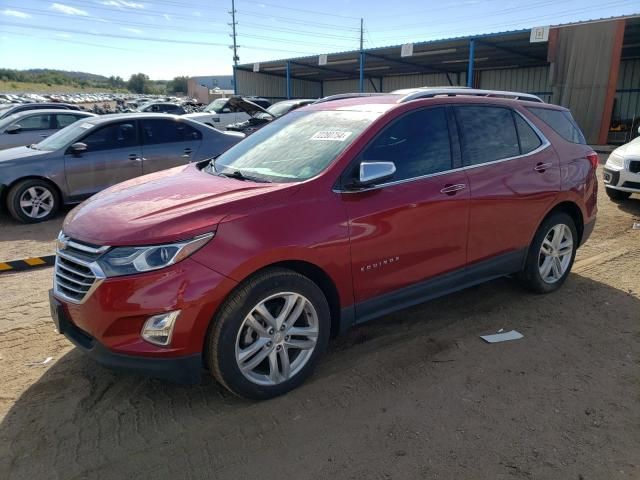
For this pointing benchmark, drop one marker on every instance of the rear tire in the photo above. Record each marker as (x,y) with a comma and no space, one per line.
(33,200)
(617,195)
(268,335)
(551,254)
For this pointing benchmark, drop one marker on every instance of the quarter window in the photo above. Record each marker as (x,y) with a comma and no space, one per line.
(116,135)
(529,139)
(418,144)
(562,123)
(168,131)
(487,133)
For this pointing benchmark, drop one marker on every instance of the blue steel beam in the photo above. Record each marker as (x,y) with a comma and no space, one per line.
(472,53)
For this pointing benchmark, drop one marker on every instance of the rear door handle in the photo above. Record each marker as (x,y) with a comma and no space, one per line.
(541,167)
(133,156)
(452,189)
(187,153)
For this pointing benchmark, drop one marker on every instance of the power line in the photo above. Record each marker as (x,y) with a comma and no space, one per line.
(316,12)
(517,22)
(151,39)
(298,21)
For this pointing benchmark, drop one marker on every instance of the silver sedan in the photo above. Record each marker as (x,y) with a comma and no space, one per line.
(31,126)
(93,154)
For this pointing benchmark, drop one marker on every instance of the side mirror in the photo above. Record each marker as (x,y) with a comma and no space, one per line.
(638,129)
(78,148)
(372,173)
(13,128)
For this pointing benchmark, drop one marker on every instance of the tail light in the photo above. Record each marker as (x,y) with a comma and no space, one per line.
(593,158)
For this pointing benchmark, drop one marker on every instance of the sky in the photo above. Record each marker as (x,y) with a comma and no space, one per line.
(167,38)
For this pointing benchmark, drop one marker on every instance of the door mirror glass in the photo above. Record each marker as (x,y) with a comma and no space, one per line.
(13,129)
(78,147)
(375,172)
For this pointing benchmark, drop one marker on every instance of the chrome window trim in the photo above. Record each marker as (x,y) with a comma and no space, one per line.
(544,145)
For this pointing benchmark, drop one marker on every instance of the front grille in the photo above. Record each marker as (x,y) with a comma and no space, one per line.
(634,166)
(635,185)
(76,271)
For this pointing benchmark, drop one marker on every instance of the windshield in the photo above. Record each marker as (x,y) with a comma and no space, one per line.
(296,147)
(216,106)
(63,137)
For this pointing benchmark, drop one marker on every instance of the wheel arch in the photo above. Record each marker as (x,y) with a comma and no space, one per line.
(318,276)
(573,210)
(5,192)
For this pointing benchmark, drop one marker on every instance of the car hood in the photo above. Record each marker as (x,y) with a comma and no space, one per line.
(244,105)
(17,153)
(166,206)
(631,149)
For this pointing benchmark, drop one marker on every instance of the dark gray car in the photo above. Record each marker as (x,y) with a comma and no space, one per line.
(89,156)
(32,126)
(7,110)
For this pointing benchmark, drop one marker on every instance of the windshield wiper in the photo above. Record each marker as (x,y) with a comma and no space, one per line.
(238,175)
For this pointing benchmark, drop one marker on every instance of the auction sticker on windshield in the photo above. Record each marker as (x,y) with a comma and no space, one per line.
(331,135)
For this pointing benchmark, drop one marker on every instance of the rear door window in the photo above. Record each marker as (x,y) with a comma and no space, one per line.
(168,131)
(418,144)
(66,119)
(115,135)
(561,122)
(487,134)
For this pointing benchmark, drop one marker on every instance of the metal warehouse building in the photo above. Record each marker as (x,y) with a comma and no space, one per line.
(591,67)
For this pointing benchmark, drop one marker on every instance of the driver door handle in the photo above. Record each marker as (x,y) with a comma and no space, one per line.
(452,189)
(187,153)
(133,156)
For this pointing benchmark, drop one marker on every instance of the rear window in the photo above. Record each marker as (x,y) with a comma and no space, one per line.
(561,122)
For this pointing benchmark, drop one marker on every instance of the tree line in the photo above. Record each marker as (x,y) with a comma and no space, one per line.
(137,83)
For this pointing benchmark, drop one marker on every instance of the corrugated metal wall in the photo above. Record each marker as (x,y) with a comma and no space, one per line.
(274,87)
(628,92)
(397,82)
(334,87)
(526,80)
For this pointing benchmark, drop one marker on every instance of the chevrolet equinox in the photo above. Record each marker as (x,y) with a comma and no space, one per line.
(335,214)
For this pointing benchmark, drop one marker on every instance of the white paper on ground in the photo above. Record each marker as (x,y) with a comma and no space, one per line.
(502,337)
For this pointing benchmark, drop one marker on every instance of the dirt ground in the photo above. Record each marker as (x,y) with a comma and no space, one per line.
(415,395)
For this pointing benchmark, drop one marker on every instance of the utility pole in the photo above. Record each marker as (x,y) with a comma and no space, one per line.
(235,44)
(361,85)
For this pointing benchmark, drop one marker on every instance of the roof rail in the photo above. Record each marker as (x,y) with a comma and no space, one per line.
(342,96)
(429,92)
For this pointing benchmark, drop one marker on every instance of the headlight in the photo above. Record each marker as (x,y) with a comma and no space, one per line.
(128,260)
(615,160)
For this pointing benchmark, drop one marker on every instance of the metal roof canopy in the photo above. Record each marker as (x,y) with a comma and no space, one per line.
(449,56)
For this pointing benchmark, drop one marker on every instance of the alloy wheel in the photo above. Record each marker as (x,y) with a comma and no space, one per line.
(277,338)
(555,253)
(37,202)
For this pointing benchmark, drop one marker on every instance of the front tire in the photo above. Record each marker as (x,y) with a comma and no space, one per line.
(33,200)
(551,254)
(269,334)
(617,195)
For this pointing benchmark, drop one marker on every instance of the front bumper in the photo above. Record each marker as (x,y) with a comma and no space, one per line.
(621,179)
(107,324)
(186,369)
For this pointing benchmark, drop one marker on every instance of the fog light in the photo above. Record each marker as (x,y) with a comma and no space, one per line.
(159,328)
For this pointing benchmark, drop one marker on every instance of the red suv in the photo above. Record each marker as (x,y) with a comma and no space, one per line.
(330,216)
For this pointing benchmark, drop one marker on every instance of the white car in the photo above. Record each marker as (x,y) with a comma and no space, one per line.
(622,171)
(220,113)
